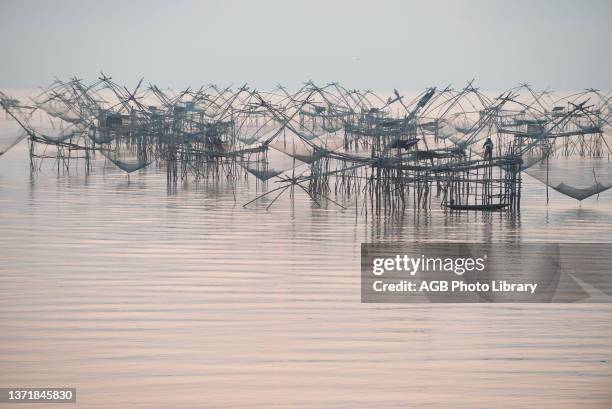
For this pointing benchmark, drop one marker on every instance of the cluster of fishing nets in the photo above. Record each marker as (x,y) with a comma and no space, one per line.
(563,141)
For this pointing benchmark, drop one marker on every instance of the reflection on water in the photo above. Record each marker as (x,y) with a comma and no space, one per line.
(144,296)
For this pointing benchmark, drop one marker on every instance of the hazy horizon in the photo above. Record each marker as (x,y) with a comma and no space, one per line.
(560,45)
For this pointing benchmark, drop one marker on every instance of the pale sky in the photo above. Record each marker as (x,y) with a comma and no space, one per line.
(377,44)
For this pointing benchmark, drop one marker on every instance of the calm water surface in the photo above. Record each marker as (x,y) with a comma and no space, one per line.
(144,297)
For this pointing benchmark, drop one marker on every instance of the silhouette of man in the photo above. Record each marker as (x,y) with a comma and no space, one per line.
(488,149)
